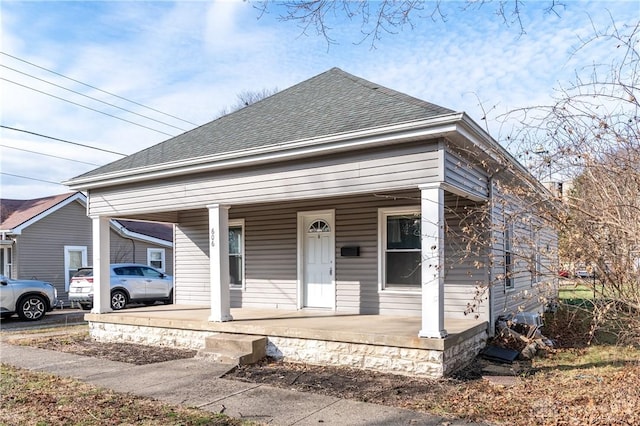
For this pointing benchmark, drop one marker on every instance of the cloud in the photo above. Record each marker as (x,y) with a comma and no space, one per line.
(191,59)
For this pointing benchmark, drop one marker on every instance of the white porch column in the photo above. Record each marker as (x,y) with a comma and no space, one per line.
(101,261)
(432,267)
(219,263)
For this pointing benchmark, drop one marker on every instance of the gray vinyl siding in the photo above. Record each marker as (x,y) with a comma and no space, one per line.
(132,250)
(40,247)
(331,175)
(191,274)
(466,272)
(271,257)
(526,294)
(465,176)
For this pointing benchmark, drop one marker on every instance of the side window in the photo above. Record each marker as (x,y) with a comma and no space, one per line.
(535,256)
(152,273)
(508,256)
(128,270)
(155,258)
(236,254)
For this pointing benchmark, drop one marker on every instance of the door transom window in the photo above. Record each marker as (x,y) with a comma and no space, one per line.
(318,226)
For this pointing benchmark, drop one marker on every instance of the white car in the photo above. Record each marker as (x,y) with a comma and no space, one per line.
(129,282)
(30,299)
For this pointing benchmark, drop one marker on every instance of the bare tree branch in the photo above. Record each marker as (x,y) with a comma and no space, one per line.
(385,17)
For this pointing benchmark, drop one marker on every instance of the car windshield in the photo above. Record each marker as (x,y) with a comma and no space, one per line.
(4,278)
(86,272)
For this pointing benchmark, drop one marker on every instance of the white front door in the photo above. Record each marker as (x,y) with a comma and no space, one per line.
(318,256)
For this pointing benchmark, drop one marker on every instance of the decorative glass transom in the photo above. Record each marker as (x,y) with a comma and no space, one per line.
(319,226)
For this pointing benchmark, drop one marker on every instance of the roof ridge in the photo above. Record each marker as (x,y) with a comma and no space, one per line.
(388,91)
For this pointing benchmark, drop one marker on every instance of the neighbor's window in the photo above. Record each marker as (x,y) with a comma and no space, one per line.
(401,249)
(536,256)
(508,256)
(155,258)
(236,253)
(5,262)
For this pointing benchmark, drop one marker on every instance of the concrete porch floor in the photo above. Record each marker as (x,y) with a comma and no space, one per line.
(379,330)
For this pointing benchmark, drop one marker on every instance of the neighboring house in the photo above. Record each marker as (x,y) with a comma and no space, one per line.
(50,238)
(336,194)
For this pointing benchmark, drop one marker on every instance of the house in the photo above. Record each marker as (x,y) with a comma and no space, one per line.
(49,238)
(335,198)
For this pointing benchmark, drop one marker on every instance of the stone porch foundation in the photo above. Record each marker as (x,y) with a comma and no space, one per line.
(452,354)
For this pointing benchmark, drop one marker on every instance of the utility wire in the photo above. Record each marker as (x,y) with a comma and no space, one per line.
(89,108)
(62,140)
(92,98)
(49,155)
(98,89)
(30,178)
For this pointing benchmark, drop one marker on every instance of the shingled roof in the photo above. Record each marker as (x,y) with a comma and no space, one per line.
(14,213)
(330,103)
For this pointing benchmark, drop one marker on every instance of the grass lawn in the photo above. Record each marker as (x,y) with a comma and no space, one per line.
(574,291)
(32,398)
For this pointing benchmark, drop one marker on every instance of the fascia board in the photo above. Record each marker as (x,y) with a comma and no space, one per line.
(434,127)
(122,230)
(79,197)
(472,132)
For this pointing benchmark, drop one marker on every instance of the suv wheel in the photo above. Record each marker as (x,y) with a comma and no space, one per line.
(32,308)
(118,300)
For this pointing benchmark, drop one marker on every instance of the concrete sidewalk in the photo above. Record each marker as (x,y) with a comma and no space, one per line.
(197,383)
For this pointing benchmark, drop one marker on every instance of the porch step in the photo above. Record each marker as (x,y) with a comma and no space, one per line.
(239,349)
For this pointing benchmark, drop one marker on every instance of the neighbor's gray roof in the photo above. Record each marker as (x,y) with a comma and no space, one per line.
(330,103)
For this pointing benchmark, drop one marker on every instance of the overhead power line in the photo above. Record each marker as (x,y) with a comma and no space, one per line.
(98,89)
(92,98)
(62,140)
(87,107)
(30,178)
(49,155)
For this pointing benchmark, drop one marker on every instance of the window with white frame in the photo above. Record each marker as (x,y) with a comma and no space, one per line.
(75,257)
(236,254)
(536,256)
(5,262)
(509,281)
(156,258)
(400,242)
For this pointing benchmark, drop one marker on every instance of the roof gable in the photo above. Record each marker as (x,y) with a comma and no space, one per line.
(334,102)
(18,214)
(160,233)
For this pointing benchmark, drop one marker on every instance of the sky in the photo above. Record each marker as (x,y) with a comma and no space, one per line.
(121,76)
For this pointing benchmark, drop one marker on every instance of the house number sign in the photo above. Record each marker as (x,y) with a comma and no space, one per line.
(213,237)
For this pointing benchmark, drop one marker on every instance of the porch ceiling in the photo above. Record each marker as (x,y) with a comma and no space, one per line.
(396,331)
